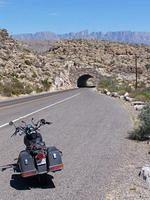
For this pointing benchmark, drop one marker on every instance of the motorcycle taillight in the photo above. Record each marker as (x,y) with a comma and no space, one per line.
(40,156)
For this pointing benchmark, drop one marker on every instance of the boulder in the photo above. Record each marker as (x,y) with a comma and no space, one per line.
(58,81)
(126,94)
(122,97)
(114,94)
(145,174)
(139,107)
(107,92)
(127,98)
(137,103)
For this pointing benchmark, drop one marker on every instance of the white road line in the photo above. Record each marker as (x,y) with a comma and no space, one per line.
(41,109)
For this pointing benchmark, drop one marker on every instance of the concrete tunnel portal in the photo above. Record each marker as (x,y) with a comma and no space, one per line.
(85,81)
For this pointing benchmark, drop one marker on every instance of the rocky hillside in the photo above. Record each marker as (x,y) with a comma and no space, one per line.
(21,70)
(109,58)
(119,36)
(24,71)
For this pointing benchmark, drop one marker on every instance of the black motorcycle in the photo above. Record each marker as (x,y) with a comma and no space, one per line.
(36,159)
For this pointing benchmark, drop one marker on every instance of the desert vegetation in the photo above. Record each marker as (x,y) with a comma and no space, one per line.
(141,94)
(113,84)
(142,129)
(14,87)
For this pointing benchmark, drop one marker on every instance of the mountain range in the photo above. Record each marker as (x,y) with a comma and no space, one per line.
(119,36)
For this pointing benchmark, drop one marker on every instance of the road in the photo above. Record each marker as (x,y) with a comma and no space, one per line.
(89,128)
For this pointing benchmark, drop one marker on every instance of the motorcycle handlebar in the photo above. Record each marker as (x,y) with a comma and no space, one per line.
(48,123)
(42,123)
(21,129)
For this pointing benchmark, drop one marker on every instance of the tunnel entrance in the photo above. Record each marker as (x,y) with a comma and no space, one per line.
(85,81)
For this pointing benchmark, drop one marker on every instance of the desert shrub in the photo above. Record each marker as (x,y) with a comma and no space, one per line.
(6,90)
(34,75)
(28,89)
(145,119)
(142,94)
(14,87)
(113,85)
(17,87)
(142,132)
(147,66)
(46,84)
(28,62)
(14,75)
(38,89)
(108,82)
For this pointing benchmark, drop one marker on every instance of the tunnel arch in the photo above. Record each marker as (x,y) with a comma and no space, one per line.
(83,81)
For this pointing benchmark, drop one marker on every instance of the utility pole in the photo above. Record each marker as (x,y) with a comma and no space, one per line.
(136,72)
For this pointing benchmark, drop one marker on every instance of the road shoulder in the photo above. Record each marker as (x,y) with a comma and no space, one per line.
(127,184)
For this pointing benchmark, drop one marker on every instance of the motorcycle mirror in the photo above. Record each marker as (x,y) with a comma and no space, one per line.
(48,123)
(32,120)
(11,123)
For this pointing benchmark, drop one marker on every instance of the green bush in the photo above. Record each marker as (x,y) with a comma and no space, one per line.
(143,130)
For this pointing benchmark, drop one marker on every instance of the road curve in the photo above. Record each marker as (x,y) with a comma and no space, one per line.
(89,128)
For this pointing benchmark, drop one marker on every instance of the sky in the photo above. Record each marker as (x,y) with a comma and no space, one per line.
(63,16)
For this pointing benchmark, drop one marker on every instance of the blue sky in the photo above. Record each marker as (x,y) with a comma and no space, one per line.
(61,16)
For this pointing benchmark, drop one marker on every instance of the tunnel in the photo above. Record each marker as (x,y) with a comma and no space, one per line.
(84,81)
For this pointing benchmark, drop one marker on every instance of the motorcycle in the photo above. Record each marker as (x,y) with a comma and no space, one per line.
(37,158)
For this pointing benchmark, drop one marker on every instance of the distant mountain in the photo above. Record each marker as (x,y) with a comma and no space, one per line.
(119,36)
(37,36)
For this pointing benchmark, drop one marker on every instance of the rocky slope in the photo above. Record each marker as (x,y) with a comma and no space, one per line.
(30,71)
(108,58)
(22,69)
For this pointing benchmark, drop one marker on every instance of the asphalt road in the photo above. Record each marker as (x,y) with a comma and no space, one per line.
(89,129)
